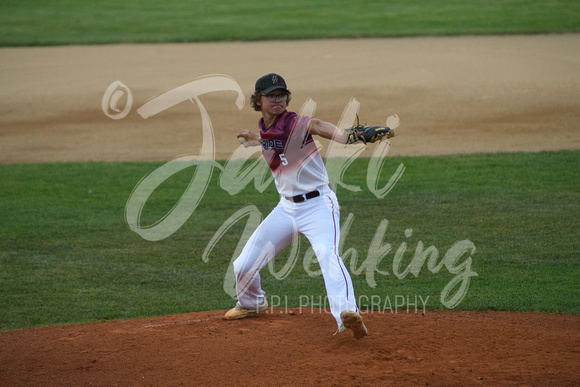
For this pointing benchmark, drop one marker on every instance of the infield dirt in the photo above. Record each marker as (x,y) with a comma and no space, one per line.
(452,95)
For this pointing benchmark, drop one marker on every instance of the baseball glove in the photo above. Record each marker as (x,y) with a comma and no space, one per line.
(367,133)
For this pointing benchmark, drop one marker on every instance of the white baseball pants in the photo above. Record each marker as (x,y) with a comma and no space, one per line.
(317,219)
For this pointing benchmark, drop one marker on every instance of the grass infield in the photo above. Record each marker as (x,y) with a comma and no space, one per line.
(67,255)
(61,22)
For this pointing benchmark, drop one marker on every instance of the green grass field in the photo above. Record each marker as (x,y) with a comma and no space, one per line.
(67,256)
(58,22)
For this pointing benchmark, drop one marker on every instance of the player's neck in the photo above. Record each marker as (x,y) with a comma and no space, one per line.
(269,119)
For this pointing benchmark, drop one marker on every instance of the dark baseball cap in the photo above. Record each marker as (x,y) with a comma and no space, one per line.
(270,82)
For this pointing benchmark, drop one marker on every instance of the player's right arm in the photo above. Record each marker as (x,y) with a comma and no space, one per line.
(251,138)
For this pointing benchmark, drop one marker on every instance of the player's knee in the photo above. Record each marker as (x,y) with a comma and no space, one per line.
(242,267)
(238,267)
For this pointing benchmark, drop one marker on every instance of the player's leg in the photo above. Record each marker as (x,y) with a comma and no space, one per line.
(272,236)
(319,221)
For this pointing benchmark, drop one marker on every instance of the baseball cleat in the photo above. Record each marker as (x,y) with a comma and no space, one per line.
(239,312)
(353,321)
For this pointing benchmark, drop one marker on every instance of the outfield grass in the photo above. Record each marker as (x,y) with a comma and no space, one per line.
(67,255)
(59,22)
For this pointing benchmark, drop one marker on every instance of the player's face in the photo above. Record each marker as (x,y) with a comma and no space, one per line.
(274,102)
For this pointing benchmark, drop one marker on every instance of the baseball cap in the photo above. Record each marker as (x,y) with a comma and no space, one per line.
(270,82)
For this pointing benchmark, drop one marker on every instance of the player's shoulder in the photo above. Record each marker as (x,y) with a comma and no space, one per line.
(286,119)
(288,115)
(293,118)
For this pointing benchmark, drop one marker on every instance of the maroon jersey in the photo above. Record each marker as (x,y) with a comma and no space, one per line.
(292,155)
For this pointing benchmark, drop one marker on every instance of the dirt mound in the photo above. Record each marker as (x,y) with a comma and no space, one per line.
(297,347)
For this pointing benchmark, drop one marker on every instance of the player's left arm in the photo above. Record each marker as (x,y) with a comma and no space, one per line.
(356,134)
(327,130)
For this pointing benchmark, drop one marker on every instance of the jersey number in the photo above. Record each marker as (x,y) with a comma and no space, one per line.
(283,159)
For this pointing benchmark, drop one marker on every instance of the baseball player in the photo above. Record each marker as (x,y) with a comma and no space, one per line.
(307,204)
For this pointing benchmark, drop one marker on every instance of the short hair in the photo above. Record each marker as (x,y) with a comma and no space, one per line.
(257,97)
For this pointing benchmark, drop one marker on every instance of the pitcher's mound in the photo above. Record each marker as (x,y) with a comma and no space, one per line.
(297,347)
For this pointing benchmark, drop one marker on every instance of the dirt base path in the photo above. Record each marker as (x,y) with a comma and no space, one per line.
(452,95)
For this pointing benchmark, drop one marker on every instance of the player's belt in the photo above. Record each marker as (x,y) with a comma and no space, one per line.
(304,197)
